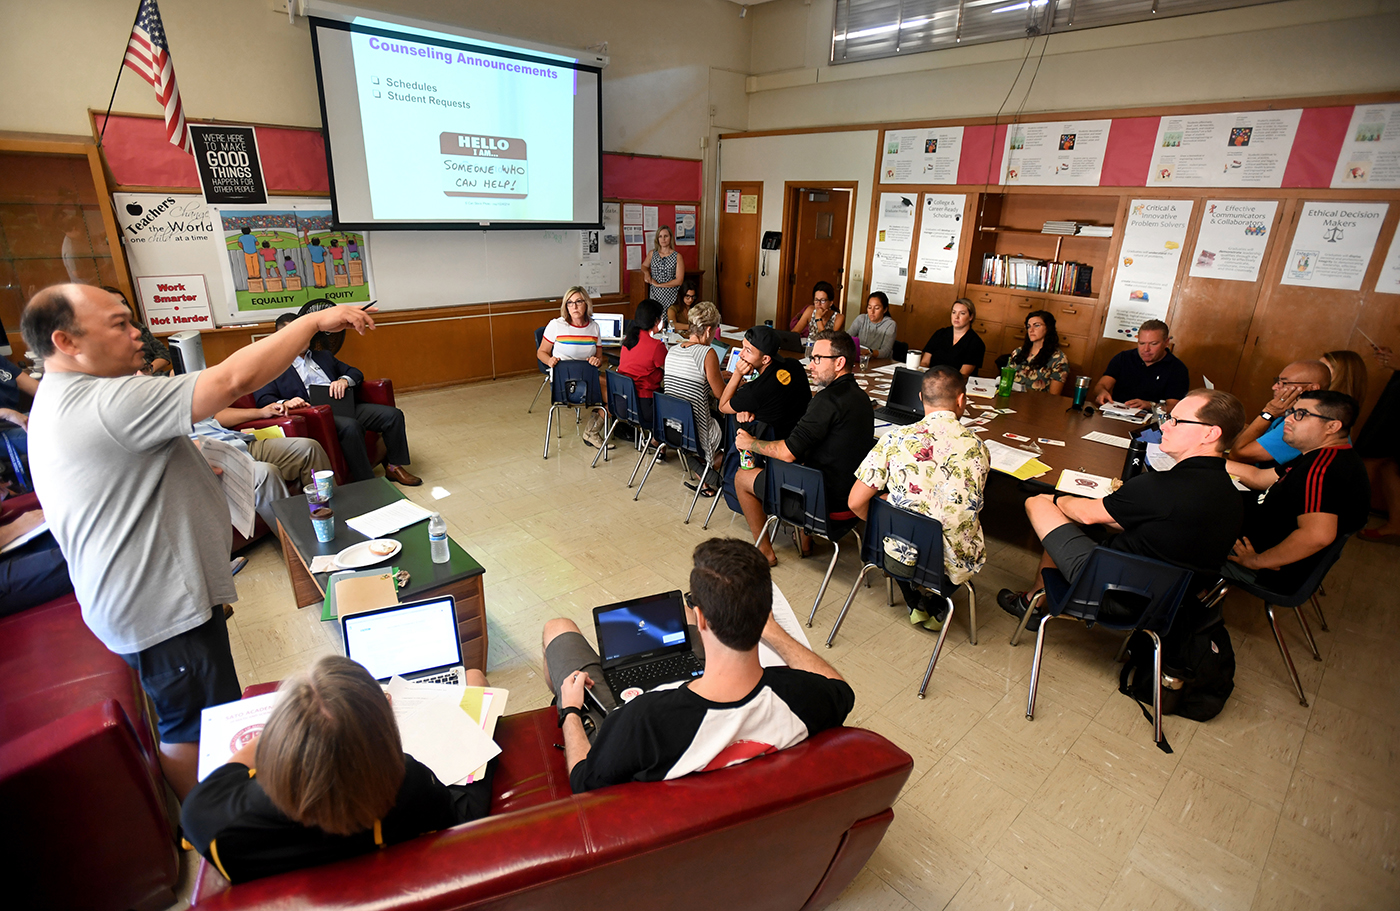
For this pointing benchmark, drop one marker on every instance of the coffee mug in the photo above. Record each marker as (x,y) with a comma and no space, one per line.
(911,360)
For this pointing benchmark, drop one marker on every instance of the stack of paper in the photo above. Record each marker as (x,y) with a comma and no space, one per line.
(225,729)
(1120,412)
(1084,485)
(982,386)
(485,705)
(1016,462)
(782,613)
(437,731)
(386,520)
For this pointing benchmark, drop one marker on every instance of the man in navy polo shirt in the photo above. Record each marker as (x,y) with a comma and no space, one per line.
(1151,373)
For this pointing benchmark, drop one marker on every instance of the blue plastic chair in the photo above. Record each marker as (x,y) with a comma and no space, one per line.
(674,426)
(1147,594)
(925,533)
(796,494)
(573,384)
(539,338)
(1295,600)
(624,406)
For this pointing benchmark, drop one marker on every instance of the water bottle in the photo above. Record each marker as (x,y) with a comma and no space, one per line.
(437,538)
(1081,390)
(1135,459)
(1008,377)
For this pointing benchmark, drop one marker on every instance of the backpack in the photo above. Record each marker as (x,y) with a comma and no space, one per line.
(1204,662)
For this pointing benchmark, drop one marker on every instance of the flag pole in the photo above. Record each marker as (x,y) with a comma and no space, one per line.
(108,116)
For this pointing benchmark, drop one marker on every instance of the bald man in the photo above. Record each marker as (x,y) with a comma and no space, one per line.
(140,518)
(1262,440)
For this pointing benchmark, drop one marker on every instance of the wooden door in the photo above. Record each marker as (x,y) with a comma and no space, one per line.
(736,258)
(818,250)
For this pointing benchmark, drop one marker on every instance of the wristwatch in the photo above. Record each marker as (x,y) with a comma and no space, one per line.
(1267,416)
(566,710)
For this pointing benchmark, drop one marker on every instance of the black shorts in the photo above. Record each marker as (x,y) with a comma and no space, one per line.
(186,674)
(1070,548)
(760,487)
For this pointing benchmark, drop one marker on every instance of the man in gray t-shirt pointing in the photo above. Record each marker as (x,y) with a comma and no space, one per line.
(138,514)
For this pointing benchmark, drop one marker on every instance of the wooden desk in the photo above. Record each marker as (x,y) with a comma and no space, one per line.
(460,576)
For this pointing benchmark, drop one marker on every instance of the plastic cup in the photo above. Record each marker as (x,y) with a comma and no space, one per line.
(911,359)
(324,480)
(323,522)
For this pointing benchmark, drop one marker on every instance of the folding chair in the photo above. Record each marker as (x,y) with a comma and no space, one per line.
(674,426)
(573,384)
(624,406)
(796,494)
(1119,591)
(539,338)
(926,534)
(1295,600)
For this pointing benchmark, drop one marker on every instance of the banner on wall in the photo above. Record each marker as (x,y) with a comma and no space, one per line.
(685,226)
(168,239)
(940,228)
(230,170)
(1370,155)
(894,236)
(1247,149)
(929,156)
(1147,265)
(277,257)
(1056,153)
(1332,244)
(1233,237)
(1389,280)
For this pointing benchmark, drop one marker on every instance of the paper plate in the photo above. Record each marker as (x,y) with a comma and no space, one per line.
(359,555)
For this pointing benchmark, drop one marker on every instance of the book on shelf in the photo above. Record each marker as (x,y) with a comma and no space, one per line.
(1054,277)
(1076,228)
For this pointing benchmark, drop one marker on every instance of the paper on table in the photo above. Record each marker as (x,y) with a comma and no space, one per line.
(224,729)
(1086,485)
(1032,469)
(1158,459)
(981,386)
(1007,459)
(236,470)
(437,732)
(1099,436)
(888,368)
(388,519)
(782,613)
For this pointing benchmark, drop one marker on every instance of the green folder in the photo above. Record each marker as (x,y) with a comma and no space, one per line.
(328,611)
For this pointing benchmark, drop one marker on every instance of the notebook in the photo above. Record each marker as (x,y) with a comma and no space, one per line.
(611,327)
(416,640)
(903,406)
(343,407)
(644,644)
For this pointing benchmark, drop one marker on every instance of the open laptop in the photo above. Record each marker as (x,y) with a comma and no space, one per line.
(790,341)
(343,407)
(644,643)
(611,327)
(416,640)
(903,405)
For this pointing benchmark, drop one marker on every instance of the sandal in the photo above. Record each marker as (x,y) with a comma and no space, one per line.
(706,491)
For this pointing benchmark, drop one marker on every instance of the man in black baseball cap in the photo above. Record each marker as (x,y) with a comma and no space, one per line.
(777,394)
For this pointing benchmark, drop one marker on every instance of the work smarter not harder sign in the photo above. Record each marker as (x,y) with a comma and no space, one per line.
(229,168)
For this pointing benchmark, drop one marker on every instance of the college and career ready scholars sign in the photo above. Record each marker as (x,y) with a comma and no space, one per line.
(1147,264)
(229,168)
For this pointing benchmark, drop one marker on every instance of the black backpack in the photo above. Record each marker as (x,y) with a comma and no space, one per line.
(1204,662)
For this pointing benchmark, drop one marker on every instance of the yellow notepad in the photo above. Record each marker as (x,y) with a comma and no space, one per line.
(268,433)
(1032,469)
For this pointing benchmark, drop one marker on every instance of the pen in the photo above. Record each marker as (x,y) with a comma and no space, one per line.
(370,304)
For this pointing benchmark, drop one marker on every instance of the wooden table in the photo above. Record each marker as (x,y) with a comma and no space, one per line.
(460,576)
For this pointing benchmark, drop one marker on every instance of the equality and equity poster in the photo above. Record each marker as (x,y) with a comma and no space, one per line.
(1370,155)
(894,236)
(929,156)
(1248,149)
(940,228)
(1233,237)
(1147,264)
(1055,153)
(1332,244)
(280,256)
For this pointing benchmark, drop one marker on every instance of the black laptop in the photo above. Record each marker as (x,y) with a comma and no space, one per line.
(903,405)
(644,644)
(790,341)
(343,407)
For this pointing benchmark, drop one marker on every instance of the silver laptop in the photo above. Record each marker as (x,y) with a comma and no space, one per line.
(416,640)
(611,327)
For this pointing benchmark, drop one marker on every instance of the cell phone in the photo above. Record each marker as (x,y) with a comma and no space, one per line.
(370,304)
(589,696)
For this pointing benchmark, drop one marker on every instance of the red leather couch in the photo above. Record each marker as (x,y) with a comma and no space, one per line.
(85,822)
(790,830)
(320,423)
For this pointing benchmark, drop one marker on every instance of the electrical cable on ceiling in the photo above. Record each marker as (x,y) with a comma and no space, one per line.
(992,146)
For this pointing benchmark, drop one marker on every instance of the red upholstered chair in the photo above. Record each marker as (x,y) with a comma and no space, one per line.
(293,425)
(79,776)
(320,423)
(789,830)
(376,392)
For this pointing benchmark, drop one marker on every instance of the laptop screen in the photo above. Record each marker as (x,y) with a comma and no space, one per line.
(404,639)
(609,324)
(640,626)
(904,390)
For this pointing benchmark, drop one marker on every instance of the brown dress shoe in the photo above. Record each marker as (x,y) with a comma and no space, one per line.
(399,475)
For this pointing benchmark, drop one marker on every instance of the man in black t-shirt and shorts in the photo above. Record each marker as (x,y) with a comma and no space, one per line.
(1306,504)
(738,710)
(1187,516)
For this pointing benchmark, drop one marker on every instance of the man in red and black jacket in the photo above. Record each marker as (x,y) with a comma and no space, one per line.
(1306,504)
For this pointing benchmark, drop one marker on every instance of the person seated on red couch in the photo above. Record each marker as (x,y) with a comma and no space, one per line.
(326,780)
(35,572)
(738,710)
(319,367)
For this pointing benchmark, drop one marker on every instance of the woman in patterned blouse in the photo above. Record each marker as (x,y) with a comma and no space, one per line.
(1040,364)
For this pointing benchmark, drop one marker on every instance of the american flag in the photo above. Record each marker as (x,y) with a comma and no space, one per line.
(149,56)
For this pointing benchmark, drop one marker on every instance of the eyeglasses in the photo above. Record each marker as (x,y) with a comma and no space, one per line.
(1173,419)
(1280,381)
(1299,414)
(821,300)
(823,357)
(690,602)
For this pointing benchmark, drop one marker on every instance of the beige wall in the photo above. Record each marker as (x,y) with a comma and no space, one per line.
(1294,48)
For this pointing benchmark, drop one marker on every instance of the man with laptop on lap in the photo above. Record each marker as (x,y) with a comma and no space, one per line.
(678,723)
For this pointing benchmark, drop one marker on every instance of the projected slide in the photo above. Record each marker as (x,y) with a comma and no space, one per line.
(456,134)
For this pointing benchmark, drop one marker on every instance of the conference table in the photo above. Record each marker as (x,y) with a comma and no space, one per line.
(460,576)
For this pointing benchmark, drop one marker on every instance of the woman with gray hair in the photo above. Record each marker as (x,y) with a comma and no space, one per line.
(692,373)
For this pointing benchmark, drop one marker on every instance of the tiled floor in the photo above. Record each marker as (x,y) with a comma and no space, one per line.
(1270,805)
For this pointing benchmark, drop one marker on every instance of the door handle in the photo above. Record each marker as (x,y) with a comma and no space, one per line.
(748,283)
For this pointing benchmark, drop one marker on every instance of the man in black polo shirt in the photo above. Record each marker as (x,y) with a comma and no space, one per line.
(1151,373)
(834,434)
(1187,516)
(778,396)
(1305,504)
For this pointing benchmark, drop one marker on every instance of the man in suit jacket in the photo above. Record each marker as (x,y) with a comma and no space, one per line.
(321,368)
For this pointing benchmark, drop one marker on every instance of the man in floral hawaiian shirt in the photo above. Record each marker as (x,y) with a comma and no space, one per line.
(936,467)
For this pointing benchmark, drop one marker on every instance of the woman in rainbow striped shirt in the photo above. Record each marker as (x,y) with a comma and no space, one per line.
(573,336)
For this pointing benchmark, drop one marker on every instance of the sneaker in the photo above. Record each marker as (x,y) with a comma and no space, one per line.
(237,564)
(1016,604)
(936,611)
(594,439)
(919,617)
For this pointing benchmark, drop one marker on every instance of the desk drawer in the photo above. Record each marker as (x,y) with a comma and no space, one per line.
(1073,319)
(1021,304)
(991,305)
